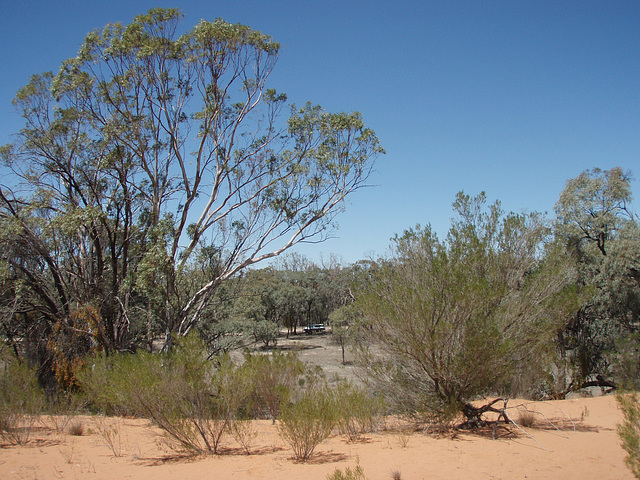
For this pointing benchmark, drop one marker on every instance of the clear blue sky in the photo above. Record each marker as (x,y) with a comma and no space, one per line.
(510,97)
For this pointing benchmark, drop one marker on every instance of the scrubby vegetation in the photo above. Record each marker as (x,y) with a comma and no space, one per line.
(629,430)
(119,298)
(433,326)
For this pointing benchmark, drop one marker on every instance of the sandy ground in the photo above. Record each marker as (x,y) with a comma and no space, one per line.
(585,447)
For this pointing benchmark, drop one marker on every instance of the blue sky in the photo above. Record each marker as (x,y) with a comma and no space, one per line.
(512,98)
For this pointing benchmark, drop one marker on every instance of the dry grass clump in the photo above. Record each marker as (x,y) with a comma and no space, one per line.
(526,418)
(76,429)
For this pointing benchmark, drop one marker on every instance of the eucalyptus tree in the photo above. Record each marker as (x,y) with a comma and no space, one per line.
(446,321)
(597,223)
(152,150)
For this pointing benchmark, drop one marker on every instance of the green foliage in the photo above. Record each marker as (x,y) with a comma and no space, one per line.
(456,319)
(109,190)
(273,381)
(629,430)
(266,332)
(343,321)
(356,474)
(21,399)
(308,422)
(600,232)
(358,412)
(191,398)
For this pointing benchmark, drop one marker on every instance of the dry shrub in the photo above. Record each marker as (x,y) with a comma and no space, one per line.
(62,410)
(111,432)
(273,380)
(192,398)
(244,432)
(526,418)
(76,429)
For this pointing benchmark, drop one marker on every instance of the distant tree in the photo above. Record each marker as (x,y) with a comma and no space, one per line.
(448,321)
(343,320)
(595,221)
(151,154)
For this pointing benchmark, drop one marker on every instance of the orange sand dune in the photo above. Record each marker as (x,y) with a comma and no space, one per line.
(591,451)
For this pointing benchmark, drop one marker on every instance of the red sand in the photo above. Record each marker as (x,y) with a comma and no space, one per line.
(592,451)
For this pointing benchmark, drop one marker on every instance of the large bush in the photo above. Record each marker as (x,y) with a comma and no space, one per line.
(451,320)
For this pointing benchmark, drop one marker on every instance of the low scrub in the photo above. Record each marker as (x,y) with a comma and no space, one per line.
(273,380)
(357,473)
(629,430)
(358,412)
(21,400)
(308,422)
(193,399)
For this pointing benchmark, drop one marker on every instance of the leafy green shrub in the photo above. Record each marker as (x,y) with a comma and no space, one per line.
(193,399)
(629,430)
(357,411)
(266,332)
(309,421)
(21,400)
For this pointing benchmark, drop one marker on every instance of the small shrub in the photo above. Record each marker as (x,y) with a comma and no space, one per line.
(193,399)
(629,430)
(403,439)
(526,418)
(356,474)
(111,433)
(62,410)
(76,429)
(273,380)
(396,475)
(307,422)
(21,400)
(358,412)
(244,432)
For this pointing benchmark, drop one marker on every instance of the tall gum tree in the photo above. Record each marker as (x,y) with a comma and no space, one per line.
(152,153)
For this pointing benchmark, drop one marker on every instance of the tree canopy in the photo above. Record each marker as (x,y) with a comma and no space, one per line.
(153,166)
(596,223)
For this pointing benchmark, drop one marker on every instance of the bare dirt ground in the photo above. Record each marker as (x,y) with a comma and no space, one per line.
(579,442)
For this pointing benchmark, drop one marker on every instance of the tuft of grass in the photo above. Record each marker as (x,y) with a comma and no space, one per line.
(76,429)
(403,439)
(526,418)
(356,474)
(396,475)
